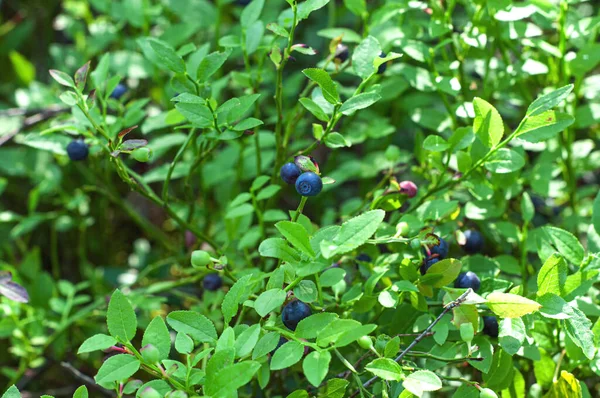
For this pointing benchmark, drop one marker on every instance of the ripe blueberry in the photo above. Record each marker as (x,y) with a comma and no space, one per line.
(212,282)
(341,52)
(309,184)
(77,150)
(293,313)
(427,264)
(383,66)
(364,257)
(490,326)
(474,241)
(118,91)
(290,172)
(409,188)
(441,249)
(467,280)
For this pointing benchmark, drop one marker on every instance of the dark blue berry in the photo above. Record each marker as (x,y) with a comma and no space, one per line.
(243,2)
(118,91)
(341,52)
(441,249)
(467,280)
(474,241)
(309,184)
(490,326)
(427,264)
(293,313)
(212,282)
(364,258)
(383,66)
(290,172)
(77,150)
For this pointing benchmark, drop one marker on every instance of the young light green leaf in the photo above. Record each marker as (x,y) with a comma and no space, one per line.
(62,78)
(306,291)
(308,6)
(308,328)
(251,13)
(335,388)
(246,341)
(120,317)
(212,63)
(488,125)
(82,392)
(386,369)
(527,209)
(353,233)
(278,248)
(504,161)
(297,235)
(96,343)
(511,335)
(184,343)
(224,385)
(268,301)
(167,56)
(508,305)
(336,140)
(316,366)
(442,273)
(265,345)
(564,242)
(12,392)
(195,325)
(322,78)
(435,143)
(363,56)
(287,355)
(158,335)
(549,101)
(422,381)
(234,297)
(360,101)
(552,276)
(544,126)
(315,109)
(117,368)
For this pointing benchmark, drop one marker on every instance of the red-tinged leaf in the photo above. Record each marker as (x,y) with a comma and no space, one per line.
(116,153)
(306,163)
(91,99)
(62,78)
(81,75)
(12,290)
(123,133)
(130,145)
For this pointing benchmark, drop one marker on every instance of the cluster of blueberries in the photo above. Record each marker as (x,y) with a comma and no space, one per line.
(78,149)
(342,53)
(307,183)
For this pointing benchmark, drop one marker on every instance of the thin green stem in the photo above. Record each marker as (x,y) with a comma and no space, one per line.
(165,190)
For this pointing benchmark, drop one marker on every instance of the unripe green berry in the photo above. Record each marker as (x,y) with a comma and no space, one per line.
(141,154)
(150,354)
(487,393)
(365,342)
(415,244)
(402,228)
(392,153)
(200,259)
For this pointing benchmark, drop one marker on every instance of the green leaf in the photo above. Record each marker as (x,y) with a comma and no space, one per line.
(308,328)
(234,297)
(278,248)
(229,379)
(305,8)
(277,29)
(194,109)
(578,328)
(335,388)
(167,56)
(297,235)
(184,343)
(322,78)
(549,101)
(485,351)
(504,161)
(356,7)
(211,64)
(268,192)
(265,345)
(226,340)
(12,392)
(363,56)
(120,317)
(62,78)
(442,273)
(566,386)
(158,335)
(335,330)
(562,241)
(596,213)
(247,124)
(552,276)
(314,108)
(117,368)
(353,233)
(360,101)
(306,291)
(246,341)
(544,126)
(331,277)
(422,381)
(269,301)
(511,335)
(195,325)
(527,208)
(316,366)
(508,305)
(336,140)
(96,343)
(435,143)
(386,369)
(501,372)
(287,355)
(488,125)
(251,13)
(82,392)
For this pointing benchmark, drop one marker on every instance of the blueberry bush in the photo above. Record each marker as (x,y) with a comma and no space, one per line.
(313,198)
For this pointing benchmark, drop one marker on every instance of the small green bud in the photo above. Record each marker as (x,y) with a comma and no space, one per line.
(415,244)
(487,393)
(150,354)
(142,154)
(200,259)
(365,342)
